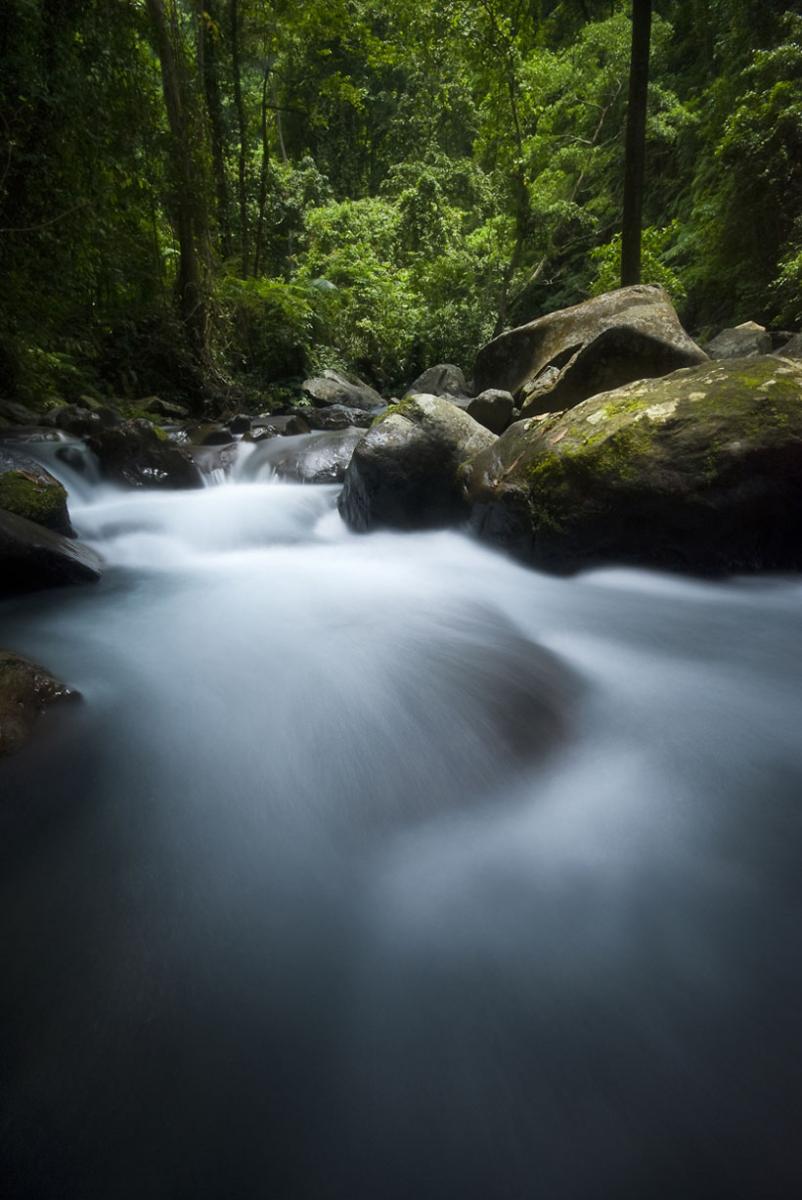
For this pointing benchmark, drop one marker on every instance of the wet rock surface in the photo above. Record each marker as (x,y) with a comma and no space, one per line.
(701,470)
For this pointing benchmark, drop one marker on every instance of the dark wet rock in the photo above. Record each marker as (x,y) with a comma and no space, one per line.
(444,379)
(214,459)
(214,435)
(32,557)
(334,387)
(744,341)
(28,490)
(240,424)
(26,691)
(35,434)
(167,409)
(493,409)
(701,470)
(618,356)
(338,416)
(515,360)
(82,422)
(137,454)
(18,414)
(282,424)
(314,458)
(404,472)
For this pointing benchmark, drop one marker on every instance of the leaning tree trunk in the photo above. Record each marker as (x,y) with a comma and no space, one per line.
(635,158)
(188,222)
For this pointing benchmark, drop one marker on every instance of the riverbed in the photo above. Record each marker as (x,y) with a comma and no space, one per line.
(384,867)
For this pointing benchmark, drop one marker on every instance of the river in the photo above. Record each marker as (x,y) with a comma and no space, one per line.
(382,867)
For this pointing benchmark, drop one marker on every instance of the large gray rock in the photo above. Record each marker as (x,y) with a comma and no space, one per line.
(792,348)
(404,472)
(743,341)
(26,691)
(493,409)
(516,358)
(701,470)
(28,490)
(333,387)
(338,416)
(313,457)
(444,379)
(618,356)
(32,557)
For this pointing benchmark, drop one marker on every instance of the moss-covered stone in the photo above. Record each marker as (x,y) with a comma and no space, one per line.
(26,690)
(28,490)
(702,468)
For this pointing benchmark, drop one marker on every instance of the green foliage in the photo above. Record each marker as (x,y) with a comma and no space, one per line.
(391,183)
(656,249)
(269,327)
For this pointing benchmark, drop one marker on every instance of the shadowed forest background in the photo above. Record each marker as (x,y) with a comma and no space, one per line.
(218,197)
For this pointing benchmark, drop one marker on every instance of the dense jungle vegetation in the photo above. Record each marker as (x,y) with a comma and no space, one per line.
(205,195)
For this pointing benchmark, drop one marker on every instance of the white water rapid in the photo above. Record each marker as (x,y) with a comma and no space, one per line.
(383,868)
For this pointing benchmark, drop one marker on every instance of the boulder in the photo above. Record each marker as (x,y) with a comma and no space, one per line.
(743,341)
(288,424)
(337,416)
(139,455)
(166,409)
(516,358)
(333,387)
(792,348)
(442,380)
(32,557)
(493,409)
(17,414)
(28,490)
(701,470)
(81,422)
(313,458)
(619,355)
(404,472)
(26,690)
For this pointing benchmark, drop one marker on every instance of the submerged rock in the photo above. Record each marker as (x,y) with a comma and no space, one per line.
(26,691)
(32,557)
(404,472)
(744,341)
(516,359)
(334,387)
(315,458)
(28,490)
(701,470)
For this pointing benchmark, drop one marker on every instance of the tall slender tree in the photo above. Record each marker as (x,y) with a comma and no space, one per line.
(635,160)
(188,198)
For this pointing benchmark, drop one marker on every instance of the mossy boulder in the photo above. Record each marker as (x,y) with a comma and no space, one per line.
(28,490)
(138,454)
(405,470)
(521,358)
(701,470)
(26,691)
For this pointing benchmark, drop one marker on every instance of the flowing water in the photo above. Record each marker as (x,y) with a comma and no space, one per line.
(382,867)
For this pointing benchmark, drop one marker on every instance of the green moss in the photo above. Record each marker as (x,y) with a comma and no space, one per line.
(404,408)
(35,499)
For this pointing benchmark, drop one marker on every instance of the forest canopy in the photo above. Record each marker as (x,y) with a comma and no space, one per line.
(205,195)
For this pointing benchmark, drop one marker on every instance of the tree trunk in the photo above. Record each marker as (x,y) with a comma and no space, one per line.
(635,159)
(186,187)
(234,19)
(263,170)
(209,45)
